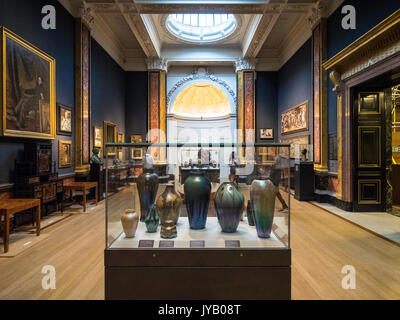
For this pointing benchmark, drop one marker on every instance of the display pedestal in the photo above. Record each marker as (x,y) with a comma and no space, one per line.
(304,181)
(200,265)
(206,274)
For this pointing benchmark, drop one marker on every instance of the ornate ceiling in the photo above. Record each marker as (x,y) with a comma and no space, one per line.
(133,30)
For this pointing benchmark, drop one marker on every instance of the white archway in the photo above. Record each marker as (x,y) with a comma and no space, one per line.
(201,112)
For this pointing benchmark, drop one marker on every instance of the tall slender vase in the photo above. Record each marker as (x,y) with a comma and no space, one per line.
(228,203)
(262,195)
(169,204)
(197,189)
(147,185)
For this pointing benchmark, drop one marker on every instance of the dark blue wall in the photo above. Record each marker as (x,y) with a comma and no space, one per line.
(108,89)
(266,102)
(368,14)
(24,17)
(136,103)
(295,85)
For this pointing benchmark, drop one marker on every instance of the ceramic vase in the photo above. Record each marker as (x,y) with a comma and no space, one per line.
(228,203)
(152,219)
(147,185)
(129,221)
(250,213)
(262,195)
(169,204)
(197,189)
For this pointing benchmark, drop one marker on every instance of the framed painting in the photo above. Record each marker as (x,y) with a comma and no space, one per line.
(121,137)
(28,103)
(109,135)
(97,137)
(64,120)
(297,145)
(64,154)
(136,153)
(267,134)
(295,119)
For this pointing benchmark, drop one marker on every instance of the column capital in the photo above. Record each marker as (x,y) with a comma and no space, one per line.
(85,13)
(245,64)
(317,13)
(157,64)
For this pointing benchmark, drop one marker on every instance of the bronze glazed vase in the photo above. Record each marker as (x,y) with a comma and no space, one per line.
(169,204)
(197,197)
(129,221)
(262,195)
(228,203)
(147,185)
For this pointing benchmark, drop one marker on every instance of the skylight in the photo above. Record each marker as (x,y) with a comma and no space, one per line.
(201,27)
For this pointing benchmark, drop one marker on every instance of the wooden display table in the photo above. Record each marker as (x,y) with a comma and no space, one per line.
(82,186)
(9,207)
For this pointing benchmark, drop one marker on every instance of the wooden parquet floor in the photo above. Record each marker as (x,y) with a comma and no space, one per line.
(321,245)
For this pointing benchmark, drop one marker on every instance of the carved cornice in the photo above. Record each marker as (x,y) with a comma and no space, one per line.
(199,76)
(157,64)
(245,64)
(377,44)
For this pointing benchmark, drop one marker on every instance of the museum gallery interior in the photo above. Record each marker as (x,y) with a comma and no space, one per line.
(200,149)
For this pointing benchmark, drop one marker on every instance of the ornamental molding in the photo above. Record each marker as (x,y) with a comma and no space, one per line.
(378,44)
(245,64)
(200,76)
(85,13)
(157,64)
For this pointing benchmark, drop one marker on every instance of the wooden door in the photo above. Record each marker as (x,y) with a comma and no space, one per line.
(369,150)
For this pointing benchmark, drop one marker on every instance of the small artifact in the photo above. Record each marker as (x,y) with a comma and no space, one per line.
(168,230)
(152,219)
(129,221)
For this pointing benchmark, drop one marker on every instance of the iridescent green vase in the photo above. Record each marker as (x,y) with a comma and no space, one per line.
(147,186)
(228,203)
(262,195)
(197,197)
(152,219)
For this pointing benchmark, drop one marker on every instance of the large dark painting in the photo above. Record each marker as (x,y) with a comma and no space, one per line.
(28,87)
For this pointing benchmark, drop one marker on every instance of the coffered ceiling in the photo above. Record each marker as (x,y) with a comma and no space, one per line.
(133,30)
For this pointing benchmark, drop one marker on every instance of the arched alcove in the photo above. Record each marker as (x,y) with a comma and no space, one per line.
(201,112)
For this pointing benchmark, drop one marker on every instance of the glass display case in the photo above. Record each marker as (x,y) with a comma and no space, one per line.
(198,221)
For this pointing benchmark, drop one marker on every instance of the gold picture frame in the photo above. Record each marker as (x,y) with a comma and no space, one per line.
(97,136)
(28,104)
(303,140)
(295,119)
(64,154)
(136,153)
(109,136)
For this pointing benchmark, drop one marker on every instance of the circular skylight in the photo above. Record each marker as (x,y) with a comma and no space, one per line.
(201,27)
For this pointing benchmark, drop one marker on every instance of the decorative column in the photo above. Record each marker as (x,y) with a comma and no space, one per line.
(320,112)
(82,91)
(335,78)
(246,123)
(157,110)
